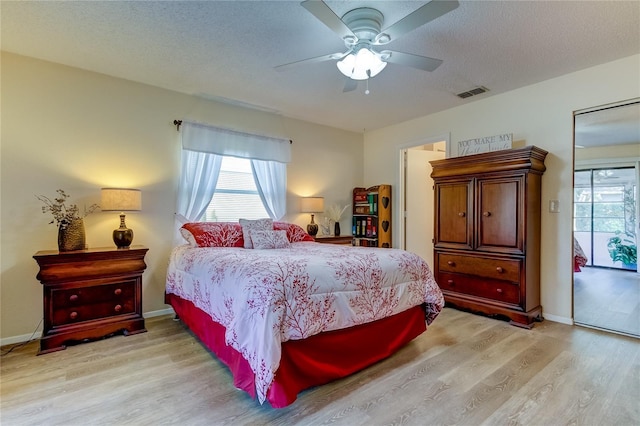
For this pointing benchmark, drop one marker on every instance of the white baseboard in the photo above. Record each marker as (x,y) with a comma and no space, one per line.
(168,311)
(22,338)
(556,318)
(36,335)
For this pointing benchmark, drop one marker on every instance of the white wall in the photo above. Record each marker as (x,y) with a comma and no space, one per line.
(79,131)
(541,115)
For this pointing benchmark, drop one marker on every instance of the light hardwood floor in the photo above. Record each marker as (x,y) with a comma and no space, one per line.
(465,369)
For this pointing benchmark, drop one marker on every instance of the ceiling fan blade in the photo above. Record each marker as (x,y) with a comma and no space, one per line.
(407,59)
(350,85)
(320,10)
(430,11)
(330,57)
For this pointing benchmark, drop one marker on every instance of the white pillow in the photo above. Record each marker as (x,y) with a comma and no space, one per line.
(254,225)
(269,239)
(189,237)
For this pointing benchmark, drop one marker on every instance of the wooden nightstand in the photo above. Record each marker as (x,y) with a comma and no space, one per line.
(345,240)
(90,294)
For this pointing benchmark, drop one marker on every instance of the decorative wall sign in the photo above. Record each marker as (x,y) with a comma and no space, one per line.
(485,144)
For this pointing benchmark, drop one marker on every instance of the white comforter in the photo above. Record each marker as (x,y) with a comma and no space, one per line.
(265,297)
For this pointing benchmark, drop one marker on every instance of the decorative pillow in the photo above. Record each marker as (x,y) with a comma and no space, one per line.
(254,225)
(189,237)
(213,234)
(269,239)
(295,233)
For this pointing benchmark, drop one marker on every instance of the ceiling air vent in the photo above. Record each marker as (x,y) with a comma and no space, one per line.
(473,92)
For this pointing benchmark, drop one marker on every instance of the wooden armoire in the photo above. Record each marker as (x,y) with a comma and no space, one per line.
(487,232)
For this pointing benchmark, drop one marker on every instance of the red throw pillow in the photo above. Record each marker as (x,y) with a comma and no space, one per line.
(214,234)
(295,233)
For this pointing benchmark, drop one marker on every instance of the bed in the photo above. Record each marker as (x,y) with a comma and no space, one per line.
(579,258)
(285,313)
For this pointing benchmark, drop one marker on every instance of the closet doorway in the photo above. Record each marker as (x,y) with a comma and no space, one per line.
(606,283)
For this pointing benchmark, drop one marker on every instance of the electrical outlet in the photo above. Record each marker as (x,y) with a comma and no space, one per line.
(554,206)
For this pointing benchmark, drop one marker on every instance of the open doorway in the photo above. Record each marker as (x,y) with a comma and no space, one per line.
(416,196)
(606,290)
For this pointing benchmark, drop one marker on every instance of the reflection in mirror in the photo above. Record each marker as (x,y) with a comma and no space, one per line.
(605,214)
(605,220)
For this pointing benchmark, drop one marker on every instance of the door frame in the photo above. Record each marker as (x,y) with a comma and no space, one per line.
(400,198)
(599,163)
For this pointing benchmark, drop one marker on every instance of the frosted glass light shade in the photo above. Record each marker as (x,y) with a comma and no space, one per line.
(361,66)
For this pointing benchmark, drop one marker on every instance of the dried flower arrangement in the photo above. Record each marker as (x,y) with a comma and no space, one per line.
(63,214)
(335,212)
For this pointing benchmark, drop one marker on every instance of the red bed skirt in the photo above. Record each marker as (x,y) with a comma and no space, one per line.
(310,362)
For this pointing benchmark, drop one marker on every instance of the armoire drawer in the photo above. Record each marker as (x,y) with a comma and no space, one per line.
(502,291)
(494,268)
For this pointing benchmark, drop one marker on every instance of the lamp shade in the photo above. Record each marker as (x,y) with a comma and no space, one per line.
(312,204)
(120,199)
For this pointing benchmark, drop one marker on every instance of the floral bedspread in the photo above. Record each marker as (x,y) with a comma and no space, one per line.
(265,297)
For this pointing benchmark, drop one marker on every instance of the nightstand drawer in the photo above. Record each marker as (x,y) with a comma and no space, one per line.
(93,294)
(88,303)
(494,268)
(502,291)
(71,315)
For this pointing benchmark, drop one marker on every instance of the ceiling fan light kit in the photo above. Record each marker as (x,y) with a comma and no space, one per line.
(360,29)
(362,65)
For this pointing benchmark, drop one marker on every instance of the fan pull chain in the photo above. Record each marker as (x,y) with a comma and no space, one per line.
(366,92)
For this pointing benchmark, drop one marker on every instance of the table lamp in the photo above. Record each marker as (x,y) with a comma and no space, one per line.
(312,205)
(121,200)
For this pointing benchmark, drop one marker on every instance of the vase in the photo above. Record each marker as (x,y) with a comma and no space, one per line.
(71,235)
(336,229)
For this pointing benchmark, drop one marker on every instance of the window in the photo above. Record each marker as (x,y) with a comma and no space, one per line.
(253,179)
(236,195)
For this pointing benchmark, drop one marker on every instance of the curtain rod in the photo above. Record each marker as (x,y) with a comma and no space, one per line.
(178,123)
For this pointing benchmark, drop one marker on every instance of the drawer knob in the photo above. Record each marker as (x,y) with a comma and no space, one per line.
(451,263)
(462,214)
(499,269)
(73,297)
(118,308)
(118,291)
(499,290)
(73,315)
(451,283)
(486,214)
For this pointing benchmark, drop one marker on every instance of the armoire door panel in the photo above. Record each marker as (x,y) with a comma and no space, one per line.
(454,218)
(500,214)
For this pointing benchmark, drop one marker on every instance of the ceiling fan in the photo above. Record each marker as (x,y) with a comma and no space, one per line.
(360,29)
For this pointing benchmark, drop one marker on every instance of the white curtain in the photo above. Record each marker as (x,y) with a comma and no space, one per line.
(271,181)
(198,180)
(216,140)
(202,150)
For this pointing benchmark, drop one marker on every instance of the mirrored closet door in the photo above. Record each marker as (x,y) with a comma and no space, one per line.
(605,218)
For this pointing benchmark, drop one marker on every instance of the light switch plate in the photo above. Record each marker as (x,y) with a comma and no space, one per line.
(554,206)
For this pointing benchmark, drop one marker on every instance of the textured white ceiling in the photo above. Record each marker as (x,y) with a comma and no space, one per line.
(227,50)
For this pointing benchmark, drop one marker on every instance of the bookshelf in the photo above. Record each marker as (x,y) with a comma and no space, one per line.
(371,226)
